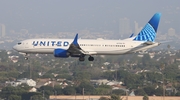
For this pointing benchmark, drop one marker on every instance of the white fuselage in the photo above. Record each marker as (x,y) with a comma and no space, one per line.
(91,47)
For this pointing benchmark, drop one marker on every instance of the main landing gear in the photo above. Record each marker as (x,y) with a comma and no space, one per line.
(90,58)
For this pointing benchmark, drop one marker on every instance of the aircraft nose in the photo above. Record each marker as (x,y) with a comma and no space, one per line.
(15,47)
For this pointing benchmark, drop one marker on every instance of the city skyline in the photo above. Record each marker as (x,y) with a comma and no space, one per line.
(91,19)
(96,16)
(124,30)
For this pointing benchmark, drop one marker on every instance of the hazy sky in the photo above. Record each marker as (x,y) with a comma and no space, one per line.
(96,15)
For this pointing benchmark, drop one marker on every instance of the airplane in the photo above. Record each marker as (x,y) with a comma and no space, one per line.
(64,48)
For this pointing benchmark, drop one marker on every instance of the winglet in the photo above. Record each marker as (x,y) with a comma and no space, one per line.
(75,40)
(148,33)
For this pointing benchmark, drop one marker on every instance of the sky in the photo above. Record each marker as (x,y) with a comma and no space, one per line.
(44,16)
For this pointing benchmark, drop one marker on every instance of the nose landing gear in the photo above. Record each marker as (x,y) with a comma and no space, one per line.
(26,56)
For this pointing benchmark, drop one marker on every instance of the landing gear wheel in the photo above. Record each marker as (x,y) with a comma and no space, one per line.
(91,58)
(81,58)
(26,58)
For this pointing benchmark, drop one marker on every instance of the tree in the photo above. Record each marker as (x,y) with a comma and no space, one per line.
(150,90)
(178,93)
(122,74)
(171,72)
(24,86)
(108,75)
(103,89)
(80,77)
(47,90)
(159,91)
(115,97)
(146,59)
(139,92)
(58,90)
(145,97)
(37,97)
(48,75)
(153,77)
(69,90)
(95,72)
(119,92)
(104,98)
(88,88)
(14,97)
(31,95)
(6,91)
(168,46)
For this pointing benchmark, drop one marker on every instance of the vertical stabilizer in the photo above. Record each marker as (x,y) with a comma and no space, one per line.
(148,33)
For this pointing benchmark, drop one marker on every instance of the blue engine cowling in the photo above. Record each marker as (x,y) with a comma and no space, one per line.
(61,53)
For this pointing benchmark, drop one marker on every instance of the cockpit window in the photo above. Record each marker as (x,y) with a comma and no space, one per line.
(19,43)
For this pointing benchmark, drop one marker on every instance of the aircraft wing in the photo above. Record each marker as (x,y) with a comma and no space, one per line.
(75,49)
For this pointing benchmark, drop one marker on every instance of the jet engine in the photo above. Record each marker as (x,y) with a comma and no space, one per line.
(61,53)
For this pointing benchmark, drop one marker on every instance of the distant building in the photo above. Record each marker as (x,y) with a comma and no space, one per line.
(124,27)
(2,30)
(24,31)
(136,28)
(99,81)
(13,83)
(171,32)
(33,89)
(14,59)
(29,82)
(132,93)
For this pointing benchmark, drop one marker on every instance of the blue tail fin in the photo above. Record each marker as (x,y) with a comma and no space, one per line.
(148,33)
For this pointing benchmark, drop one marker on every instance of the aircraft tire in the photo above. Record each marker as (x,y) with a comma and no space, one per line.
(26,58)
(91,58)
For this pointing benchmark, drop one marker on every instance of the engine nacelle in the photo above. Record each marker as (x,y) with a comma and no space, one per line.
(61,53)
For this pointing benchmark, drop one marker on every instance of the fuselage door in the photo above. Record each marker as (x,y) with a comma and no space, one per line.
(26,45)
